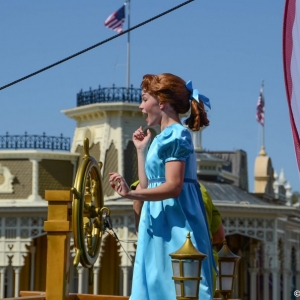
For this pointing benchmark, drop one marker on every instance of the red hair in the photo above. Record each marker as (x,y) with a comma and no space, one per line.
(169,88)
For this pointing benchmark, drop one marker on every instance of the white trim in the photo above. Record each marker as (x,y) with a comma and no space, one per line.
(32,202)
(35,181)
(100,107)
(38,155)
(221,203)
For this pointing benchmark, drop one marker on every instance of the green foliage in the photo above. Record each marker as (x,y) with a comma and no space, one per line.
(295,197)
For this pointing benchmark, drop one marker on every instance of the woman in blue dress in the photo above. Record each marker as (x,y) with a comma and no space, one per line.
(173,204)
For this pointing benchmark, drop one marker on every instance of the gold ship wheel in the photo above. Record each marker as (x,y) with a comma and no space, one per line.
(88,210)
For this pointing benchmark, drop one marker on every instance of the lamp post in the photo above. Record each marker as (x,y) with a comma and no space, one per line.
(227,263)
(186,263)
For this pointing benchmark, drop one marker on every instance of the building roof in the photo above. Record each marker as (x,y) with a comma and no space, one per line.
(205,156)
(230,194)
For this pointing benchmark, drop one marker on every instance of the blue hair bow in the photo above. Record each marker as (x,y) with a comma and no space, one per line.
(195,94)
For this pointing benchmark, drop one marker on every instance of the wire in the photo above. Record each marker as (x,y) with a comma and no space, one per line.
(94,46)
(115,235)
(128,242)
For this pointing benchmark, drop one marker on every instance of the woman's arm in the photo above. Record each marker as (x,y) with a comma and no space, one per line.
(170,189)
(219,236)
(137,206)
(141,158)
(141,142)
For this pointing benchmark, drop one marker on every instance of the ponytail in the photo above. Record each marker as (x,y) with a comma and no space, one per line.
(198,117)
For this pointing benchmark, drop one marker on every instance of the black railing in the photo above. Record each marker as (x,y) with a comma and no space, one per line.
(34,142)
(113,94)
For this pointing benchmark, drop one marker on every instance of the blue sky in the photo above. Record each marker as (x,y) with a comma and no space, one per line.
(226,47)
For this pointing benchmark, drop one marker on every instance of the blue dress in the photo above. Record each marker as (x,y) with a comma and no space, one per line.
(164,224)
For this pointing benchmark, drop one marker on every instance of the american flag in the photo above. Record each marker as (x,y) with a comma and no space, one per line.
(115,20)
(260,108)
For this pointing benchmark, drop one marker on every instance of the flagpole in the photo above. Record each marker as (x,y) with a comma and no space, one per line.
(128,44)
(263,127)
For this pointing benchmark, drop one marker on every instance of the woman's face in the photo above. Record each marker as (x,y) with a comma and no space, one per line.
(150,106)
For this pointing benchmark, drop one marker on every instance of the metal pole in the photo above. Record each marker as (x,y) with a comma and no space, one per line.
(128,45)
(263,127)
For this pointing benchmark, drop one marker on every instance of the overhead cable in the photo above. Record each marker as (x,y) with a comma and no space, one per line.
(94,46)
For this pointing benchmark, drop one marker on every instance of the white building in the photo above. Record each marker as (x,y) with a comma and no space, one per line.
(261,227)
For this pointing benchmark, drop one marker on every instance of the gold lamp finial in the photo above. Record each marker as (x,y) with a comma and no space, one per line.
(188,250)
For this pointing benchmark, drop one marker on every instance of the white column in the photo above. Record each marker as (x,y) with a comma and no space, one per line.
(266,274)
(266,270)
(85,280)
(17,280)
(73,270)
(274,265)
(297,279)
(96,280)
(125,280)
(35,181)
(196,137)
(286,265)
(253,276)
(96,271)
(9,278)
(125,264)
(2,282)
(80,270)
(72,288)
(275,282)
(286,283)
(32,267)
(297,266)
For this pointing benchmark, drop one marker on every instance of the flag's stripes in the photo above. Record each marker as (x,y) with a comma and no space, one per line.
(260,108)
(116,20)
(291,61)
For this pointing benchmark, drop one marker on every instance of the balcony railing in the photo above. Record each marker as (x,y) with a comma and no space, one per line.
(109,95)
(26,141)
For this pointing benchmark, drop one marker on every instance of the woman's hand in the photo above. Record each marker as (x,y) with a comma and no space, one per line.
(118,183)
(141,140)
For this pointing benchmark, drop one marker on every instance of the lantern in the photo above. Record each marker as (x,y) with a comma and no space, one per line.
(186,263)
(227,263)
